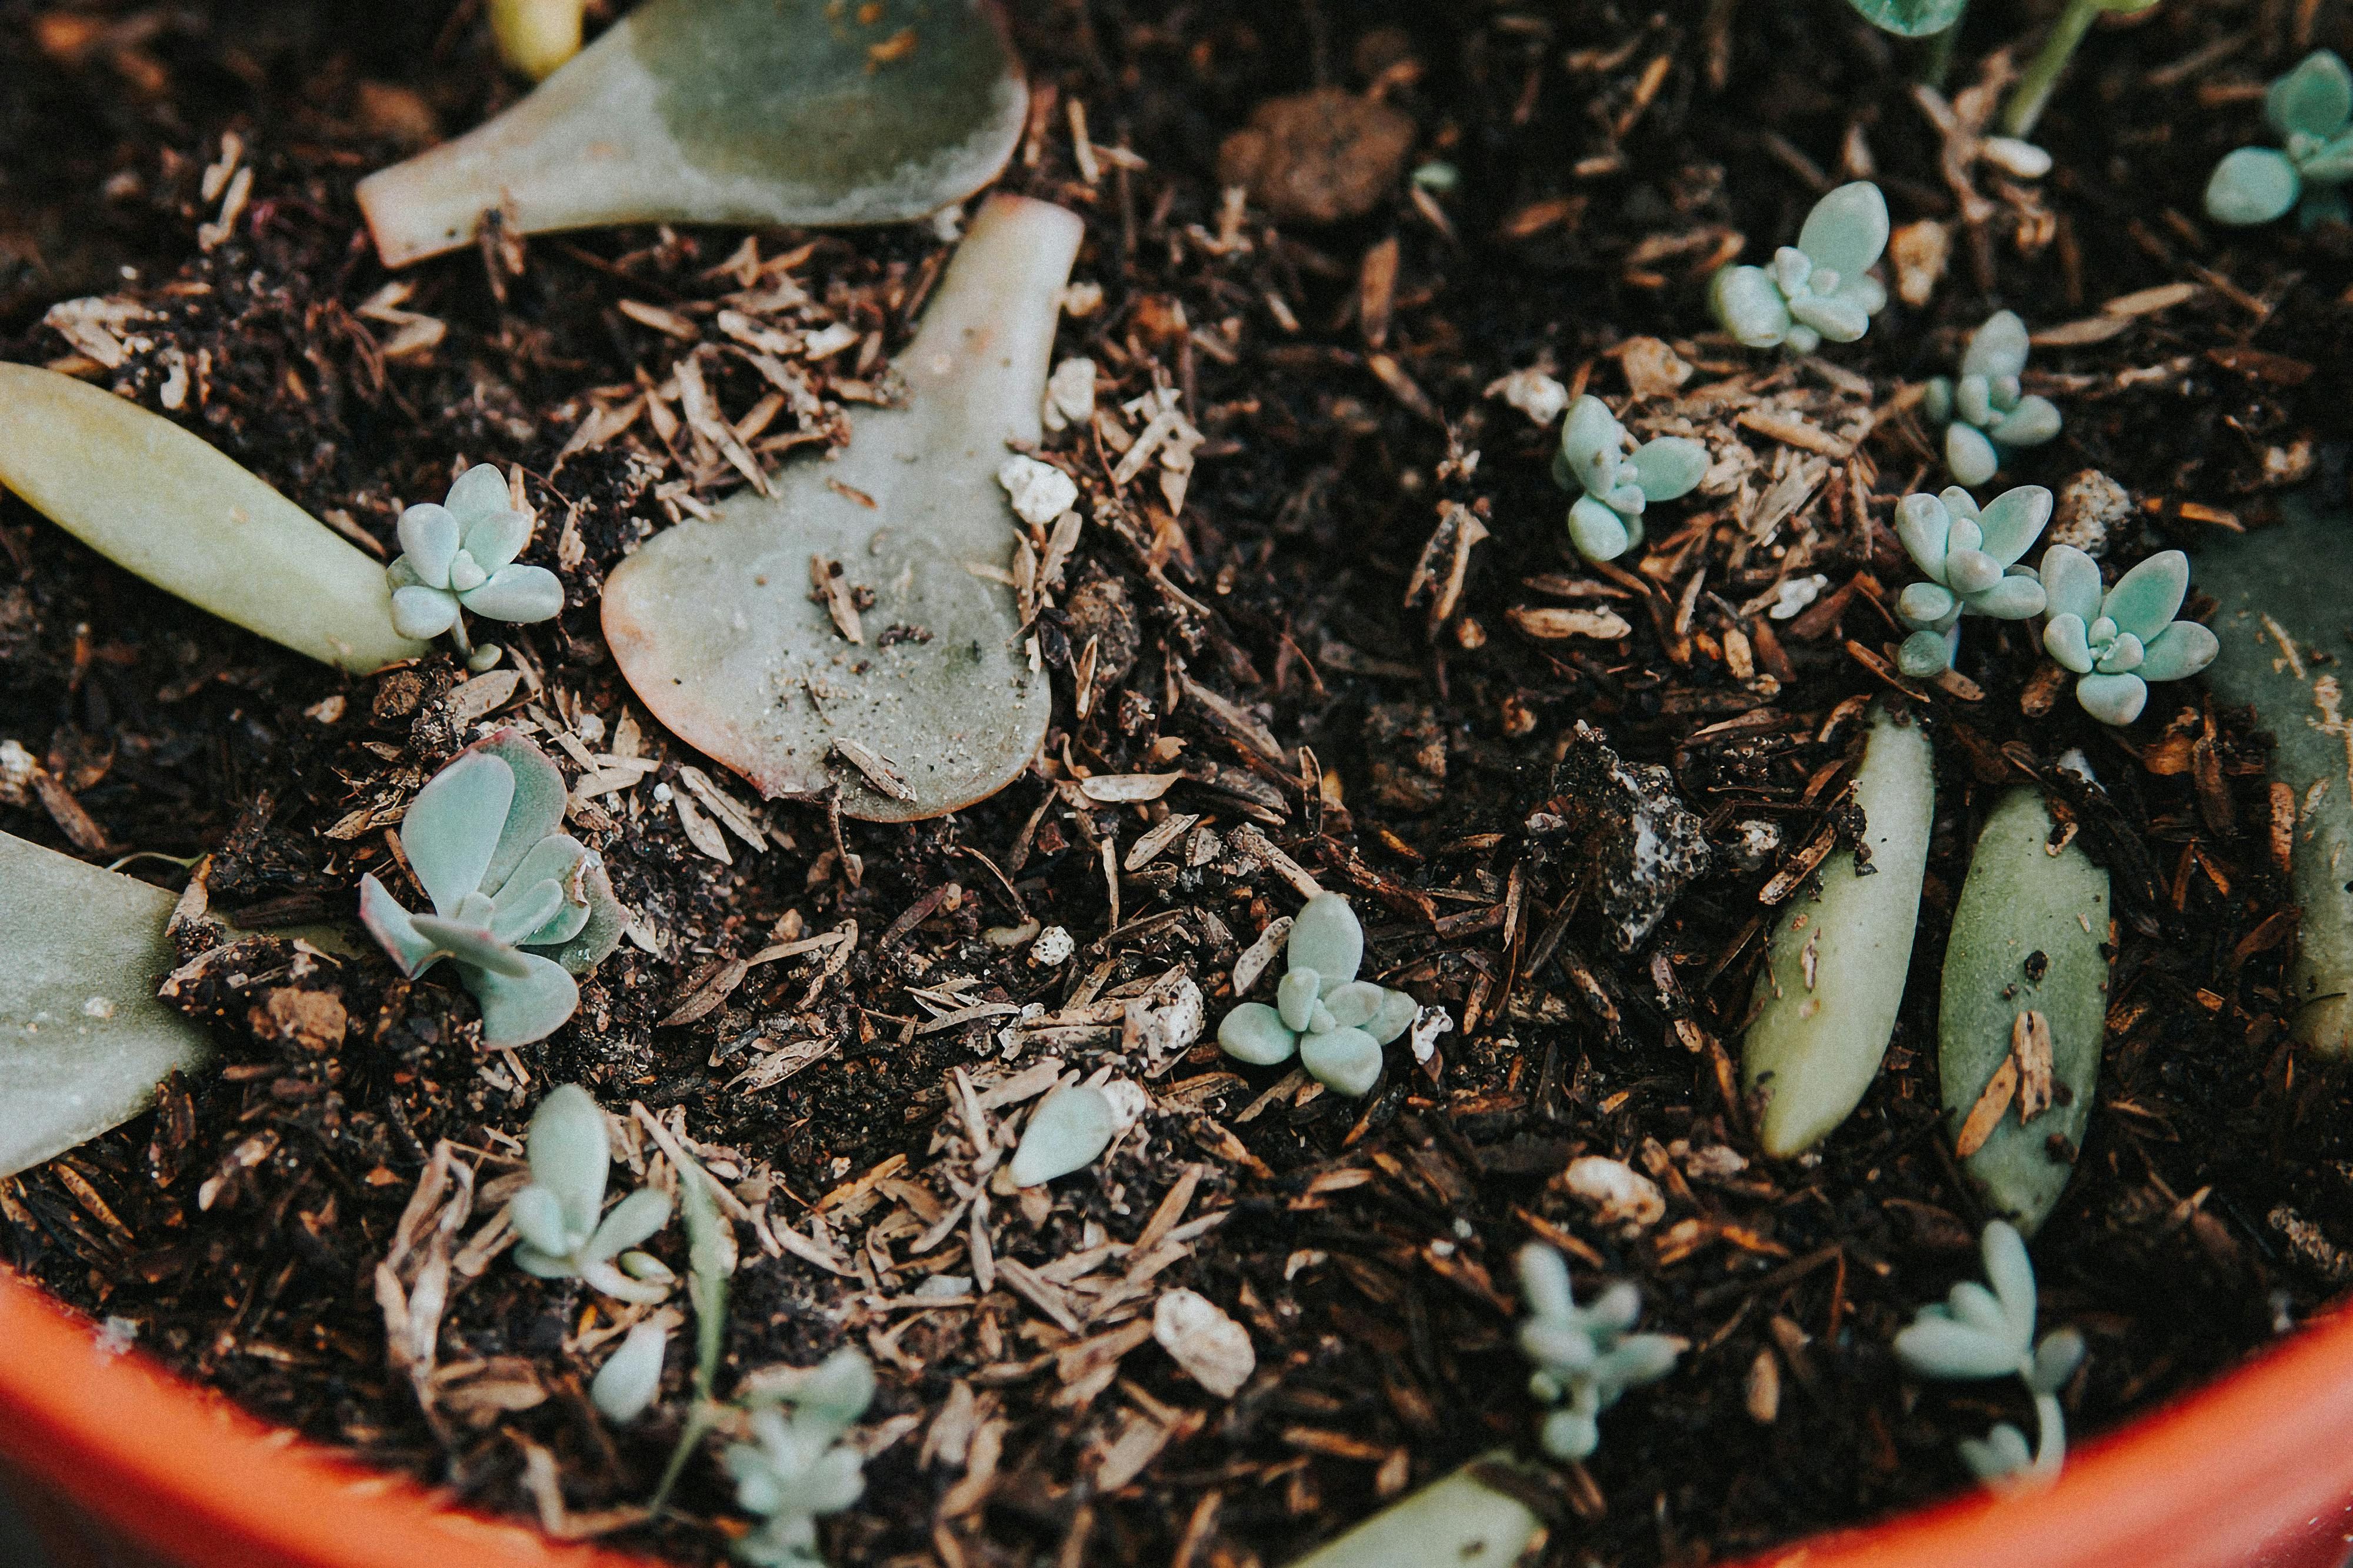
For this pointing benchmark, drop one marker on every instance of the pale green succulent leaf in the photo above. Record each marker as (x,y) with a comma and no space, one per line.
(2181,651)
(1295,996)
(2253,186)
(1328,938)
(2017,597)
(625,1386)
(636,1217)
(1255,1033)
(520,595)
(1997,348)
(1394,1017)
(1926,654)
(1924,527)
(430,539)
(1921,604)
(569,1155)
(2144,600)
(2070,582)
(1747,304)
(2035,421)
(1838,321)
(1597,532)
(2113,699)
(1590,441)
(1847,230)
(423,613)
(452,828)
(2315,99)
(1969,456)
(393,929)
(1950,1350)
(1068,1132)
(497,538)
(1911,18)
(1346,1060)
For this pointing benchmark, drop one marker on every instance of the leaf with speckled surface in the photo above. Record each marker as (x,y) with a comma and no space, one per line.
(712,623)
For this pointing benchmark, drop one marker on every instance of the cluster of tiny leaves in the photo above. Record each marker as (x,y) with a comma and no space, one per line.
(1333,1022)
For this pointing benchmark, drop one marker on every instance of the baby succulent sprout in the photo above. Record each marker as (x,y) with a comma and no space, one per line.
(1969,556)
(558,1215)
(1614,484)
(1820,288)
(460,556)
(796,1468)
(518,906)
(1585,1357)
(1333,1022)
(2311,112)
(2120,641)
(1984,412)
(1981,1332)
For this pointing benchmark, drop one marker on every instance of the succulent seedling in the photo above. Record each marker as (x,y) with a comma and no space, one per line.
(2311,112)
(1585,1357)
(625,1386)
(1985,414)
(559,1214)
(1969,556)
(1071,1128)
(1820,288)
(734,111)
(1613,484)
(797,1469)
(1333,1022)
(1981,1332)
(712,622)
(159,501)
(83,1041)
(2120,641)
(460,556)
(519,907)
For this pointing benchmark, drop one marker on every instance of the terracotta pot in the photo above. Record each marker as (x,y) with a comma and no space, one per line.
(2255,1471)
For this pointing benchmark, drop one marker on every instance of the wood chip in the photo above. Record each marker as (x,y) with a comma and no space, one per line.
(700,831)
(1794,432)
(2149,302)
(1200,1337)
(668,322)
(2030,1048)
(2083,333)
(832,585)
(1986,1115)
(879,772)
(482,696)
(1549,623)
(1122,789)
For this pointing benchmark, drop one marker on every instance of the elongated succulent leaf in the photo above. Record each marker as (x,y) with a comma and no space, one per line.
(163,504)
(569,1154)
(1828,995)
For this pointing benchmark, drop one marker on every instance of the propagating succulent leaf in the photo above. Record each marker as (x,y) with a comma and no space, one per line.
(712,623)
(625,1386)
(738,112)
(1826,999)
(163,504)
(2275,613)
(1461,1520)
(2028,935)
(1068,1132)
(83,1041)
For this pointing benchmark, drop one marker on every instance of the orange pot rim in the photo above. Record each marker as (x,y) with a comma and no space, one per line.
(2209,1479)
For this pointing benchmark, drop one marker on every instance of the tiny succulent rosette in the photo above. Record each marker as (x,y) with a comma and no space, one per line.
(1985,413)
(519,907)
(1617,484)
(559,1214)
(1333,1022)
(2311,112)
(1586,1358)
(1820,288)
(797,1469)
(2121,640)
(1978,1331)
(1969,556)
(460,556)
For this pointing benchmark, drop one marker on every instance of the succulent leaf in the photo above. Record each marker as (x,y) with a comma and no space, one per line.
(2144,600)
(1328,938)
(1969,454)
(2181,651)
(452,828)
(2113,699)
(1847,231)
(1346,1060)
(1747,304)
(1669,467)
(2071,584)
(1997,348)
(2253,186)
(1255,1033)
(2313,99)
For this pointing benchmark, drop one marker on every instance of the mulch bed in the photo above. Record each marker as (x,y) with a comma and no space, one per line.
(1249,627)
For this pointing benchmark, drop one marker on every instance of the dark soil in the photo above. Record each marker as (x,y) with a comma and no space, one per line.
(1604,154)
